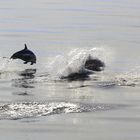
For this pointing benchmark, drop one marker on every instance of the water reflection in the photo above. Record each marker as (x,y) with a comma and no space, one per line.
(28,73)
(24,93)
(26,79)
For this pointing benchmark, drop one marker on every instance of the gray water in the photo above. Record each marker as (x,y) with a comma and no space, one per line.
(35,103)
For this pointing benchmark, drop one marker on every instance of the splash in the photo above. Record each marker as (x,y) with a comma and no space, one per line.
(130,78)
(63,65)
(73,62)
(10,69)
(52,68)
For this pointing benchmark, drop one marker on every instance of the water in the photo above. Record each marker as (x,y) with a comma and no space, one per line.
(35,103)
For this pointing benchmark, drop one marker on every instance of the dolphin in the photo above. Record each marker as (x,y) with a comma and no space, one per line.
(90,66)
(94,64)
(25,55)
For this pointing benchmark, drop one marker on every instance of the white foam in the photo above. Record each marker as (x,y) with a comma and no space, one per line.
(36,109)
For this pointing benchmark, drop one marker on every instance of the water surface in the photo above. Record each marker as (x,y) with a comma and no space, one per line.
(35,103)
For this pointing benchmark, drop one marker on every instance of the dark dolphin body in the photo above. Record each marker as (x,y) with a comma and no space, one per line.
(94,64)
(25,55)
(91,65)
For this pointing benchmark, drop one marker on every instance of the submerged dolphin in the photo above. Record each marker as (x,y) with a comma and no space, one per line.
(80,76)
(25,55)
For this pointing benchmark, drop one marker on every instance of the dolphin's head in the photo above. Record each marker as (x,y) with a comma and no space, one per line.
(19,54)
(15,56)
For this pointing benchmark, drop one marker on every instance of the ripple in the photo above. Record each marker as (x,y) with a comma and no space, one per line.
(14,111)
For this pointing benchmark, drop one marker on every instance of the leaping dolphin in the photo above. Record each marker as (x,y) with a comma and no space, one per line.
(91,65)
(25,55)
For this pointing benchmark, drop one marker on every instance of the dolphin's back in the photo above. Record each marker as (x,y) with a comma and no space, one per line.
(28,56)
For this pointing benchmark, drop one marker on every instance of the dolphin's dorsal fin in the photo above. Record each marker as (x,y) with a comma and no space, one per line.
(25,47)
